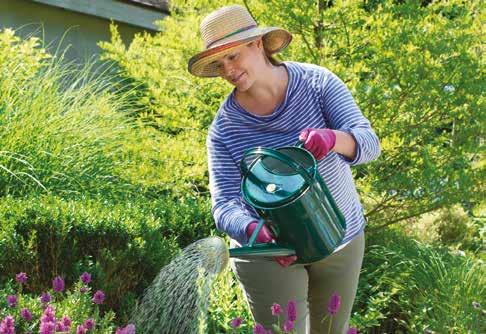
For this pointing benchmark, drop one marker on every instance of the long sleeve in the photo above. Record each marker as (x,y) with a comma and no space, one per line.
(231,214)
(343,114)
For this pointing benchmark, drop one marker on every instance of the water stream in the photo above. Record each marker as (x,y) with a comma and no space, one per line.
(177,300)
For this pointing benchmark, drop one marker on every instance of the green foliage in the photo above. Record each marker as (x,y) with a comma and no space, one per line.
(175,103)
(19,59)
(226,303)
(458,230)
(410,286)
(123,245)
(62,131)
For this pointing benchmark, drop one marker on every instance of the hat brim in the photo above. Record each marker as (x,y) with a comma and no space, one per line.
(203,64)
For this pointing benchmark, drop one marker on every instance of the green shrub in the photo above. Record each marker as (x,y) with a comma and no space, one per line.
(172,101)
(457,229)
(123,245)
(410,286)
(227,301)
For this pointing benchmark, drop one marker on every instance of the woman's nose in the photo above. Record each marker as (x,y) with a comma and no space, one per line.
(228,70)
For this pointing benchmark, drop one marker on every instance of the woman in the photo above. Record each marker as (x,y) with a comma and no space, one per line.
(272,105)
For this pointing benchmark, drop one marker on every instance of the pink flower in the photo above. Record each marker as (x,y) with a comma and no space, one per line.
(276,309)
(352,330)
(58,284)
(66,321)
(89,323)
(7,326)
(48,316)
(45,298)
(60,327)
(81,330)
(236,322)
(259,329)
(85,278)
(292,310)
(25,314)
(288,326)
(47,328)
(21,277)
(12,300)
(83,289)
(334,304)
(129,329)
(98,297)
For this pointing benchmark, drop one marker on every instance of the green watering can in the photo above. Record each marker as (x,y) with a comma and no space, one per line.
(286,190)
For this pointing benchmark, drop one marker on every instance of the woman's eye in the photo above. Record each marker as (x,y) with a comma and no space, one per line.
(233,56)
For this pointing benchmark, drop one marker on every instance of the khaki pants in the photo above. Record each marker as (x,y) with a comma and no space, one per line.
(265,282)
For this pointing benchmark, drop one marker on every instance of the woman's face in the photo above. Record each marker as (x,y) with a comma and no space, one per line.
(241,66)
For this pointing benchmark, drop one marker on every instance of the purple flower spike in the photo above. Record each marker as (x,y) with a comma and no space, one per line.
(81,330)
(259,329)
(66,321)
(129,329)
(7,326)
(292,310)
(236,322)
(352,330)
(85,278)
(45,298)
(25,314)
(49,315)
(58,284)
(60,327)
(21,278)
(89,324)
(12,300)
(47,328)
(83,289)
(288,326)
(334,304)
(98,297)
(276,309)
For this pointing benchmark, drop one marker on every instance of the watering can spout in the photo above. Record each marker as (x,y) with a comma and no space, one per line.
(216,254)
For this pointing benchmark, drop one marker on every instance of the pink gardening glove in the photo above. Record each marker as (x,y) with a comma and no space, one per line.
(318,141)
(265,236)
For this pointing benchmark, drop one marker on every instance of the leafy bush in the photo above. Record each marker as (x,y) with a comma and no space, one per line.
(227,302)
(179,106)
(123,245)
(411,286)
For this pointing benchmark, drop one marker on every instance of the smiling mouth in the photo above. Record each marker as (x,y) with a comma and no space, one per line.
(237,78)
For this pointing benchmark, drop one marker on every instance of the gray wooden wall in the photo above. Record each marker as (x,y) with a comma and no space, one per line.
(61,28)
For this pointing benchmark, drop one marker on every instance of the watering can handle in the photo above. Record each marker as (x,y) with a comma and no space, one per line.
(262,151)
(299,144)
(255,233)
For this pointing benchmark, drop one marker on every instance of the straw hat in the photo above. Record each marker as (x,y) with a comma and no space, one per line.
(227,28)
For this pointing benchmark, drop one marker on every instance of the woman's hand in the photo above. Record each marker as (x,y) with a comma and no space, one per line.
(264,236)
(318,141)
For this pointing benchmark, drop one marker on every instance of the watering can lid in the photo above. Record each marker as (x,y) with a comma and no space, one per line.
(270,182)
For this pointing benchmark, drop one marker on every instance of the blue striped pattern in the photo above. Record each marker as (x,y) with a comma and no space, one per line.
(315,98)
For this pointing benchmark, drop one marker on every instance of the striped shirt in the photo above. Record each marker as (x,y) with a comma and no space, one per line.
(315,98)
